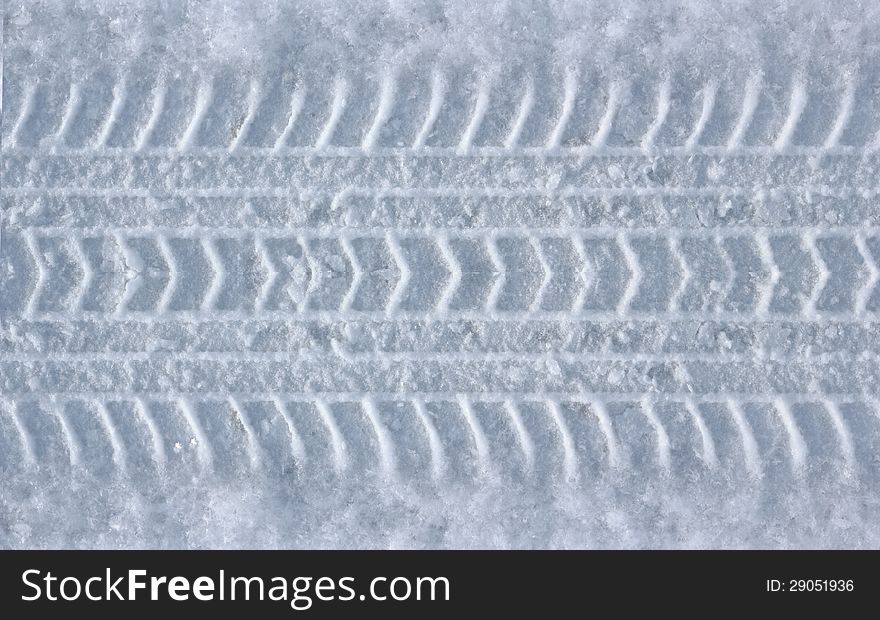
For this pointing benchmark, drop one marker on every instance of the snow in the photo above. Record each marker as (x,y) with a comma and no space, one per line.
(439,274)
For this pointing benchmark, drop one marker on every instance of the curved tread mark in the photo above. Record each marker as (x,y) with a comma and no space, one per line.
(664,101)
(340,449)
(204,98)
(438,94)
(203,447)
(570,90)
(481,105)
(254,98)
(522,435)
(751,98)
(747,437)
(120,94)
(74,101)
(797,105)
(606,124)
(158,446)
(663,444)
(604,420)
(27,107)
(477,435)
(254,450)
(337,106)
(710,92)
(847,102)
(27,442)
(297,100)
(844,436)
(74,450)
(570,460)
(710,456)
(383,110)
(796,444)
(522,116)
(438,460)
(297,447)
(116,443)
(160,93)
(387,457)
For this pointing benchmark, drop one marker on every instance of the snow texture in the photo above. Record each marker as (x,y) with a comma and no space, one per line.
(440,273)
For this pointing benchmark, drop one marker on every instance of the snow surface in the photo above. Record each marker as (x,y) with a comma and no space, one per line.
(440,274)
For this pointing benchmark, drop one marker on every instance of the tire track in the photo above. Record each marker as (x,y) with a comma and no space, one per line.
(629,274)
(610,120)
(441,278)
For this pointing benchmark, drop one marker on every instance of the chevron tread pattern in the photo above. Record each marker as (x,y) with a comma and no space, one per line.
(434,279)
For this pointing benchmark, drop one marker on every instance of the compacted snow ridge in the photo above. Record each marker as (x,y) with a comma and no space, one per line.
(414,274)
